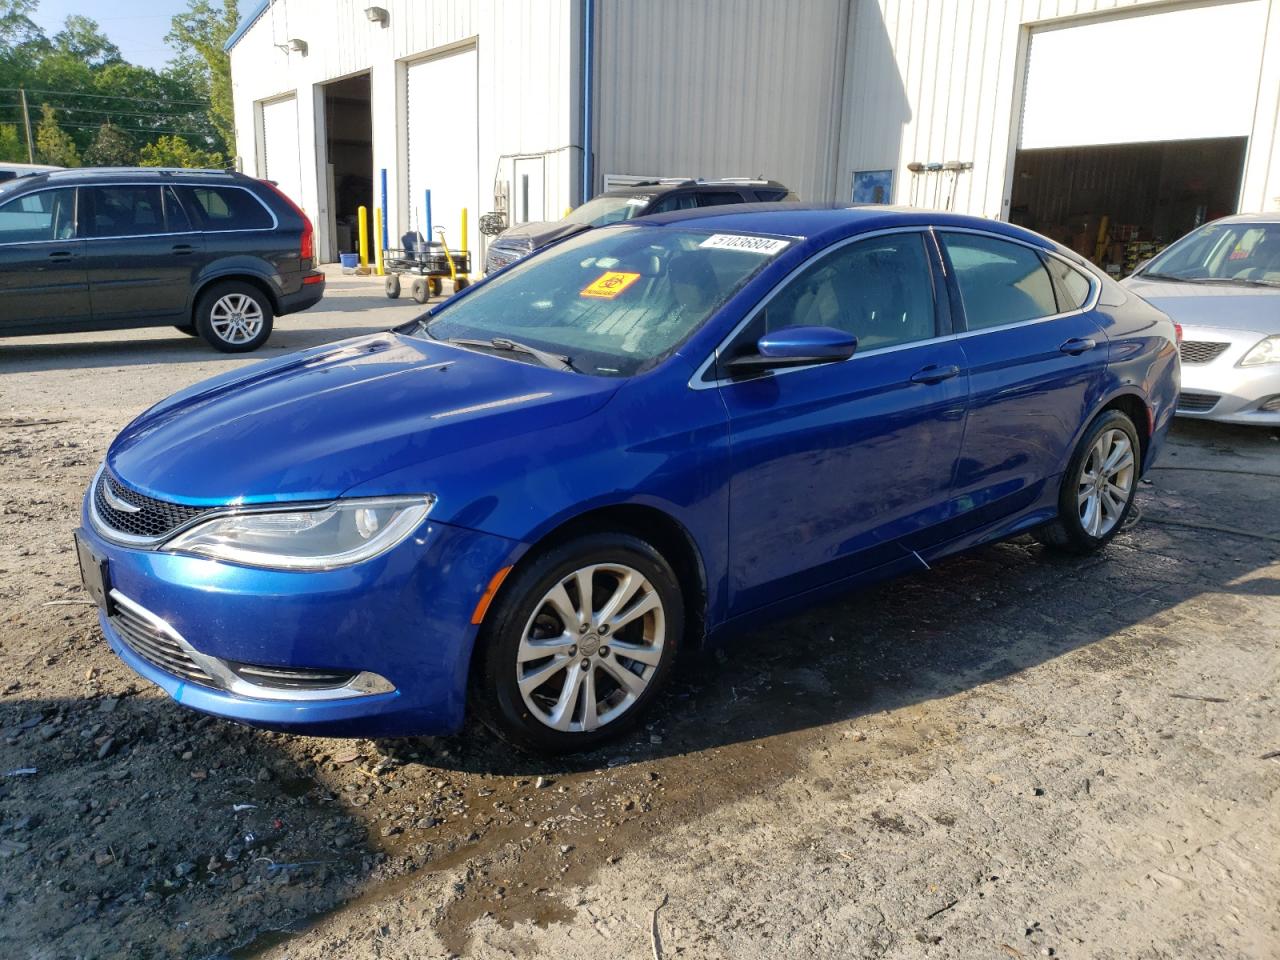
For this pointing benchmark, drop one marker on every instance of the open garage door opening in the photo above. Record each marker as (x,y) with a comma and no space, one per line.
(1158,145)
(348,124)
(1121,204)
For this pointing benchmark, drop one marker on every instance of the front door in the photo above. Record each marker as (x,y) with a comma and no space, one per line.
(42,265)
(1036,362)
(833,465)
(142,253)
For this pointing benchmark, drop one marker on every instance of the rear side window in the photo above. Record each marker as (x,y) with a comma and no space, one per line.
(36,217)
(715,198)
(1072,286)
(1000,282)
(675,201)
(127,211)
(229,208)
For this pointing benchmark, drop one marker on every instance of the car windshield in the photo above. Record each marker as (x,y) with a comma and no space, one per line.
(603,211)
(1244,253)
(612,302)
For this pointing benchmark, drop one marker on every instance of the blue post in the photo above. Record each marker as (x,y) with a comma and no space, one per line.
(386,233)
(430,237)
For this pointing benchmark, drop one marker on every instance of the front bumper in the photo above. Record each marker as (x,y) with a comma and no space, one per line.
(403,616)
(1222,391)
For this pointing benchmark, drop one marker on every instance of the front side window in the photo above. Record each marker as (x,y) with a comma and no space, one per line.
(614,302)
(879,289)
(1245,253)
(36,217)
(1000,282)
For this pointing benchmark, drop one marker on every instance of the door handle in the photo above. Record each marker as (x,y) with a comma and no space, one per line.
(60,255)
(182,249)
(935,374)
(1078,345)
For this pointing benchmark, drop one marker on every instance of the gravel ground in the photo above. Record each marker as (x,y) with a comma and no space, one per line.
(1013,755)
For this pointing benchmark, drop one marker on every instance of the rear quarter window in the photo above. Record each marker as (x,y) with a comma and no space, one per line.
(228,208)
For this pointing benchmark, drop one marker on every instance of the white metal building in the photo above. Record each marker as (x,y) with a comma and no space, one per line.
(1106,123)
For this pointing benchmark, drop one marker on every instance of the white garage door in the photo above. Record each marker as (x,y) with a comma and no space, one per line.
(443,152)
(280,156)
(1181,75)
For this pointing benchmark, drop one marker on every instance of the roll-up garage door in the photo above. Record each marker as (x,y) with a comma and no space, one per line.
(1183,74)
(443,152)
(280,155)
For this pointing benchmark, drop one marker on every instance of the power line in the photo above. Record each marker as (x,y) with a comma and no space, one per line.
(107,113)
(104,96)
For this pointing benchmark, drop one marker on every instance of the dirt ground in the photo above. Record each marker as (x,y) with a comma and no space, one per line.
(1012,755)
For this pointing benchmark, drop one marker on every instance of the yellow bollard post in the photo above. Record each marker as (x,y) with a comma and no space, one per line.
(377,238)
(363,214)
(464,229)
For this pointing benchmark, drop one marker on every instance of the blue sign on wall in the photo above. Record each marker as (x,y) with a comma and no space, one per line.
(873,186)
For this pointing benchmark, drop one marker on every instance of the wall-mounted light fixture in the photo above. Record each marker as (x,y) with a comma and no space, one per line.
(377,15)
(298,46)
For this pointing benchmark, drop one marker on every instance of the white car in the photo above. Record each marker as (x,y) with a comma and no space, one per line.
(11,171)
(1221,284)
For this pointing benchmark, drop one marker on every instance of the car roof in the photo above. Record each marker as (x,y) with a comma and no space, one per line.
(82,175)
(1249,218)
(650,188)
(831,221)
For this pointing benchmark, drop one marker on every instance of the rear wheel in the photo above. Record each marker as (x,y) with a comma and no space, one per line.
(460,283)
(392,286)
(418,290)
(1098,488)
(578,643)
(234,317)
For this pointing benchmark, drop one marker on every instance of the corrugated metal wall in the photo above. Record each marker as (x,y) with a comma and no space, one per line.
(720,88)
(528,87)
(940,80)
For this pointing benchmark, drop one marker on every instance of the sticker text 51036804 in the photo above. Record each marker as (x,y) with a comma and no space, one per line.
(736,241)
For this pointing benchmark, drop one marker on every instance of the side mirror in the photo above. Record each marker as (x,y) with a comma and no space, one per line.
(796,347)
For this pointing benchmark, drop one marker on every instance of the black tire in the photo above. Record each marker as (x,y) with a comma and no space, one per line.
(188,328)
(460,283)
(1068,533)
(436,285)
(419,291)
(217,296)
(495,694)
(392,286)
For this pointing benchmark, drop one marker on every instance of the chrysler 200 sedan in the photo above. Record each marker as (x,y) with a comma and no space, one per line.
(642,438)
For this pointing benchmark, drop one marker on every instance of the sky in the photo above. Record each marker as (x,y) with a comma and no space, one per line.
(137,27)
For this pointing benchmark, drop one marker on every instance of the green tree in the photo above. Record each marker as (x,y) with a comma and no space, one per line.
(12,149)
(111,148)
(82,38)
(203,30)
(52,143)
(171,151)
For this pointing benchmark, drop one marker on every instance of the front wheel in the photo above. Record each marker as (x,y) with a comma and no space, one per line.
(1098,488)
(234,317)
(578,643)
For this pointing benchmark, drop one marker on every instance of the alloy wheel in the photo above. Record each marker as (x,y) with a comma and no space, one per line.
(591,648)
(236,318)
(1106,482)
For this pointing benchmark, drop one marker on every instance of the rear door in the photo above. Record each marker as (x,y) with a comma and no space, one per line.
(1036,357)
(837,466)
(43,282)
(143,254)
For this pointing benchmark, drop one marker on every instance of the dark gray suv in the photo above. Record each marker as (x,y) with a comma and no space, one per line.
(216,254)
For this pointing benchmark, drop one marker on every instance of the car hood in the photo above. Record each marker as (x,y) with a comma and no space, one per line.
(541,232)
(312,425)
(1225,306)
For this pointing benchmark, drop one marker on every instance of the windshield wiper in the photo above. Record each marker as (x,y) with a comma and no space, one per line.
(553,360)
(1242,281)
(1163,276)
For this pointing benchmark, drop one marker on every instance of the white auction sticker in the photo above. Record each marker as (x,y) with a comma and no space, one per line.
(735,241)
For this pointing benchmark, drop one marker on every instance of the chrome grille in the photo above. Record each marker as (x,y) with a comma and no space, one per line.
(156,647)
(153,518)
(1197,402)
(1201,351)
(287,678)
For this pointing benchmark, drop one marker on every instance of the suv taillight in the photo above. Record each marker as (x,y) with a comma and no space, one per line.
(307,247)
(1177,333)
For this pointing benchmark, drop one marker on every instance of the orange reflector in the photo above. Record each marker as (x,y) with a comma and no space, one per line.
(483,606)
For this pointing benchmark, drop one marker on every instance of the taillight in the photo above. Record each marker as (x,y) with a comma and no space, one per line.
(307,248)
(1177,333)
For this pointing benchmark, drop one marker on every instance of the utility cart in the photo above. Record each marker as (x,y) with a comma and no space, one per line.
(428,264)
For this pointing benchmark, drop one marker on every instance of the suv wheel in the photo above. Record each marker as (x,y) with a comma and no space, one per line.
(1098,488)
(234,317)
(578,644)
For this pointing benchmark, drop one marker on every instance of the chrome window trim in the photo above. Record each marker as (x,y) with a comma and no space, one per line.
(697,383)
(275,221)
(363,684)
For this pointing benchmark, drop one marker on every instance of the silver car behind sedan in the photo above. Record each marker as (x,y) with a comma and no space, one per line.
(1221,283)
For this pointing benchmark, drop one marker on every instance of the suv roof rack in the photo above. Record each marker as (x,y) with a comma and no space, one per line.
(133,171)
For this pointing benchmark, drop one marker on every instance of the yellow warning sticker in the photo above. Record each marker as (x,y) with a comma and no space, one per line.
(609,285)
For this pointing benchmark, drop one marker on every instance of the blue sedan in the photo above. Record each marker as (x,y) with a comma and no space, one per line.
(642,438)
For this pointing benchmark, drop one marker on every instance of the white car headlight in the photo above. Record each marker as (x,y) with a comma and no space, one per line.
(1264,351)
(306,538)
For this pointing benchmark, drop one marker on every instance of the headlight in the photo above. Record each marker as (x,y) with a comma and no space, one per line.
(306,538)
(1264,351)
